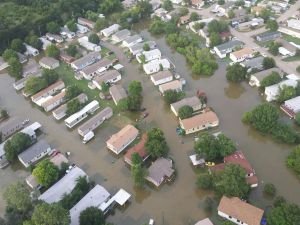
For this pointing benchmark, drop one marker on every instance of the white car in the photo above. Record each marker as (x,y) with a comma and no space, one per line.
(151,222)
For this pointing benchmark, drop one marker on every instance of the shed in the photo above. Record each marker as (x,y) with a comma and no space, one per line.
(117,93)
(49,63)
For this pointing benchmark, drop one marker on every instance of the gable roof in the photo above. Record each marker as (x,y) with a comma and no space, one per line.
(161,168)
(138,148)
(199,120)
(117,92)
(190,101)
(119,139)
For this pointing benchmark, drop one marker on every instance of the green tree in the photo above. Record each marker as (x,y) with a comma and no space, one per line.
(236,73)
(109,6)
(145,8)
(135,97)
(293,160)
(273,48)
(167,5)
(208,204)
(17,144)
(297,119)
(171,96)
(17,45)
(72,91)
(227,146)
(198,26)
(217,26)
(268,63)
(3,114)
(271,79)
(73,106)
(269,190)
(34,84)
(194,16)
(214,39)
(72,50)
(156,144)
(265,14)
(53,27)
(91,15)
(104,87)
(9,54)
(137,170)
(146,47)
(239,3)
(46,173)
(183,11)
(49,76)
(285,133)
(185,111)
(272,25)
(157,27)
(93,38)
(34,41)
(298,69)
(285,214)
(221,2)
(205,181)
(91,216)
(15,68)
(278,201)
(71,25)
(231,14)
(123,104)
(52,51)
(101,23)
(285,93)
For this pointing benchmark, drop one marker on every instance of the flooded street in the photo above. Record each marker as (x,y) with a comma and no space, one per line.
(180,202)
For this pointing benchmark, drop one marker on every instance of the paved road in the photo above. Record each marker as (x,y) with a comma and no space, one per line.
(290,12)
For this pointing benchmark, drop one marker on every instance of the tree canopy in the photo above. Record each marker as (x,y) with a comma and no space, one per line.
(93,38)
(46,173)
(15,68)
(73,106)
(171,96)
(17,45)
(167,5)
(286,93)
(72,50)
(34,84)
(272,25)
(135,97)
(293,160)
(284,214)
(137,171)
(185,111)
(91,216)
(217,26)
(52,51)
(236,73)
(72,91)
(53,27)
(156,144)
(274,47)
(272,78)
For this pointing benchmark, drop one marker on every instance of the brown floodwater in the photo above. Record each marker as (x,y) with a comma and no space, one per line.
(179,202)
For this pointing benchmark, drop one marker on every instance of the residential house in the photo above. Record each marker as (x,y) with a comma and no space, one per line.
(287,49)
(61,111)
(192,24)
(184,19)
(119,141)
(256,78)
(54,101)
(176,1)
(110,30)
(31,68)
(66,58)
(34,153)
(86,60)
(289,31)
(3,64)
(242,54)
(58,159)
(65,32)
(77,117)
(85,22)
(198,4)
(132,40)
(293,23)
(222,10)
(291,107)
(117,93)
(239,212)
(193,102)
(138,48)
(252,24)
(91,71)
(20,84)
(139,149)
(63,187)
(45,42)
(156,65)
(108,77)
(146,56)
(49,63)
(120,35)
(10,127)
(162,14)
(161,77)
(95,121)
(22,58)
(84,42)
(45,94)
(160,171)
(81,29)
(175,85)
(54,37)
(32,182)
(268,36)
(254,63)
(205,221)
(273,91)
(94,198)
(199,122)
(31,51)
(223,49)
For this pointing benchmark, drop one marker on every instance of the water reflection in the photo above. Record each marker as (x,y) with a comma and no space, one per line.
(233,90)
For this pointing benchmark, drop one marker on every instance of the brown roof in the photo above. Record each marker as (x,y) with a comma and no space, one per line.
(46,90)
(195,2)
(199,120)
(238,158)
(138,148)
(240,210)
(48,61)
(119,139)
(242,52)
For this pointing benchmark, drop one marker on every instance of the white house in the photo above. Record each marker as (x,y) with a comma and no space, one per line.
(193,102)
(161,77)
(65,32)
(156,65)
(287,49)
(120,35)
(148,55)
(45,42)
(54,37)
(256,78)
(176,1)
(108,77)
(86,60)
(223,49)
(54,101)
(241,55)
(91,71)
(293,23)
(84,42)
(81,29)
(291,107)
(132,40)
(272,91)
(138,48)
(175,85)
(110,30)
(31,51)
(49,63)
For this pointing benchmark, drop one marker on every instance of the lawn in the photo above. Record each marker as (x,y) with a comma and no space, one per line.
(292,58)
(291,39)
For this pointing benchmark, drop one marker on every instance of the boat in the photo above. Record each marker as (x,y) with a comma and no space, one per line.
(88,137)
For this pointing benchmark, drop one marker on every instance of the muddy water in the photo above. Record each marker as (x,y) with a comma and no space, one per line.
(179,203)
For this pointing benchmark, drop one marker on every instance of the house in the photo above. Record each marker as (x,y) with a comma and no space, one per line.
(10,127)
(289,31)
(54,37)
(240,14)
(291,107)
(65,32)
(193,102)
(272,91)
(32,182)
(287,49)
(3,64)
(108,77)
(132,40)
(49,63)
(84,42)
(239,212)
(162,14)
(94,198)
(241,55)
(160,171)
(86,60)
(293,23)
(55,101)
(81,29)
(268,36)
(119,141)
(77,117)
(42,95)
(222,10)
(246,26)
(22,58)
(63,187)
(31,68)
(34,153)
(61,111)
(156,65)
(45,42)
(161,77)
(138,48)
(175,85)
(20,84)
(91,71)
(223,49)
(176,1)
(85,22)
(184,19)
(256,78)
(199,122)
(254,63)
(205,221)
(139,149)
(58,158)
(117,93)
(120,35)
(110,30)
(198,4)
(31,51)
(147,56)
(66,58)
(95,121)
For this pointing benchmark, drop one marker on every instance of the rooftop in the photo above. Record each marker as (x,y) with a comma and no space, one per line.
(199,120)
(160,169)
(206,221)
(107,75)
(94,67)
(87,58)
(138,148)
(58,159)
(121,33)
(121,138)
(172,85)
(49,88)
(262,74)
(161,75)
(117,92)
(238,158)
(243,52)
(54,99)
(132,38)
(190,101)
(254,62)
(229,45)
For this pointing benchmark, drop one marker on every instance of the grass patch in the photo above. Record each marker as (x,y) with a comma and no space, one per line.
(291,39)
(292,58)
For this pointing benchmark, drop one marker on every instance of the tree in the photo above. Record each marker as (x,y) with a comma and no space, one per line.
(3,114)
(194,16)
(298,69)
(100,24)
(109,6)
(185,111)
(17,45)
(17,144)
(183,11)
(135,97)
(46,173)
(221,2)
(123,104)
(167,5)
(214,39)
(268,63)
(146,47)
(72,50)
(156,144)
(157,27)
(137,170)
(231,14)
(272,25)
(269,190)
(52,51)
(293,160)
(236,73)
(239,3)
(71,25)
(285,133)
(18,196)
(34,41)
(72,91)
(285,214)
(34,84)
(273,48)
(145,8)
(297,119)
(271,79)
(93,38)
(286,93)
(49,76)
(278,201)
(208,204)
(50,214)
(198,26)
(205,181)
(217,26)
(227,146)
(73,106)
(171,96)
(15,68)
(91,216)
(53,27)
(8,54)
(265,14)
